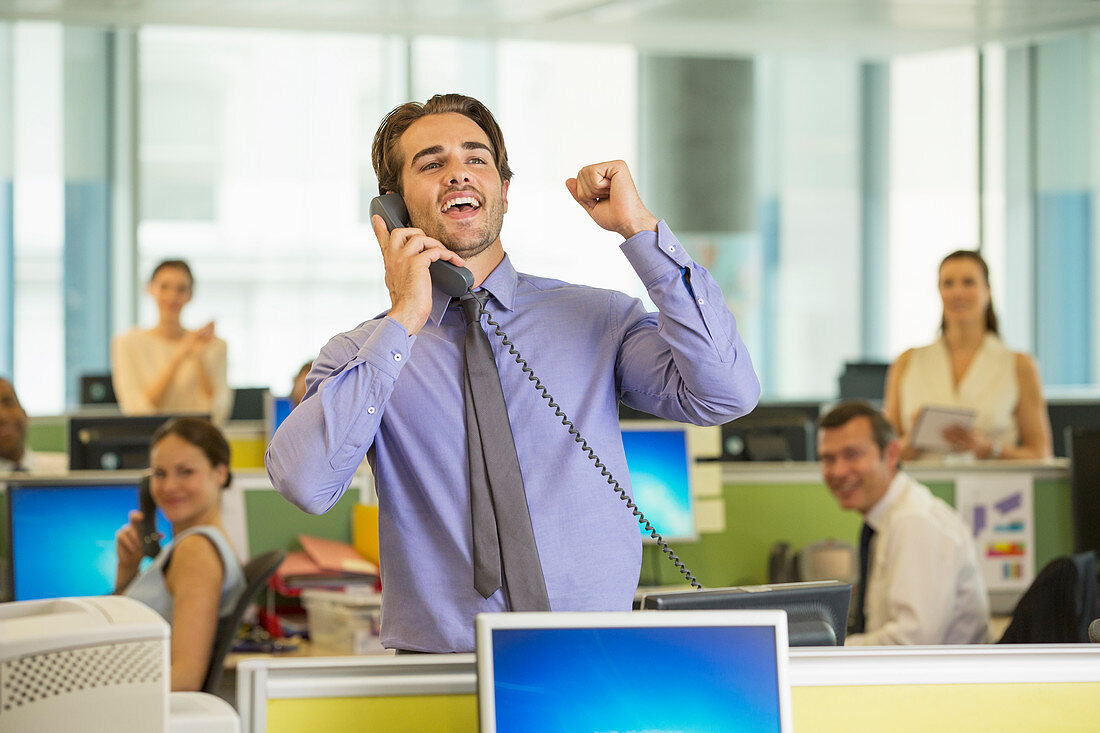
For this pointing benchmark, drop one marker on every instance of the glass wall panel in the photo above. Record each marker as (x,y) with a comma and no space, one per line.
(39,217)
(933,183)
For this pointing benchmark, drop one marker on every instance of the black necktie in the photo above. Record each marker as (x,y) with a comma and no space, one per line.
(502,532)
(865,536)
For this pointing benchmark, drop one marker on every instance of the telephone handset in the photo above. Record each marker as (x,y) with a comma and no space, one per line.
(150,537)
(456,282)
(451,279)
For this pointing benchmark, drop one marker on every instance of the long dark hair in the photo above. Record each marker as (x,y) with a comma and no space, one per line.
(990,315)
(201,434)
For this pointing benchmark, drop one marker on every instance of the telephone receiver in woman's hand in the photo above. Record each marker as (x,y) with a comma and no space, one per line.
(451,279)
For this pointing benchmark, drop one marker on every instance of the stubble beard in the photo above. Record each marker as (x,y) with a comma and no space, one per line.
(470,242)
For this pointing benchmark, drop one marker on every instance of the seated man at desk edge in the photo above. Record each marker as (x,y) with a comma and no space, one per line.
(919,577)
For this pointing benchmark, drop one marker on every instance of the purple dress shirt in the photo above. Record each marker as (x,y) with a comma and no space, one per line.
(375,390)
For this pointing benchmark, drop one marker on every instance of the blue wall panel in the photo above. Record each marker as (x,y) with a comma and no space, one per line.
(1063,270)
(87,282)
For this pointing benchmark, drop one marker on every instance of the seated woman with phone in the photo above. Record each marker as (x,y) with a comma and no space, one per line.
(968,367)
(196,579)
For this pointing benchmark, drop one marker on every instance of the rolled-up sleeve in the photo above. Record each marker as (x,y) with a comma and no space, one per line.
(314,454)
(687,362)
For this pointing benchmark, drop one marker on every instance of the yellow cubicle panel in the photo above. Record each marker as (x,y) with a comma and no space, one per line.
(1067,707)
(437,713)
(1005,708)
(246,452)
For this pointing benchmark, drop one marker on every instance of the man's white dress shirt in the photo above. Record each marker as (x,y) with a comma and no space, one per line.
(924,584)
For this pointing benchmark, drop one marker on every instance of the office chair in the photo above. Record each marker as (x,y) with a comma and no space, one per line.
(256,574)
(1058,605)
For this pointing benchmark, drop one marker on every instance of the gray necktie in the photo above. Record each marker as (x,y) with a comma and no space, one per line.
(503,538)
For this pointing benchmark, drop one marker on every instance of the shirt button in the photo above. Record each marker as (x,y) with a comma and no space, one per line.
(672,248)
(700,301)
(397,357)
(370,410)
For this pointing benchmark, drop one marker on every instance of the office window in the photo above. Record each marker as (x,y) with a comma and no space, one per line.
(255,158)
(39,216)
(808,188)
(933,184)
(558,116)
(255,163)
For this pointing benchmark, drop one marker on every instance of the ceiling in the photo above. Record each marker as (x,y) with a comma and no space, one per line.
(726,27)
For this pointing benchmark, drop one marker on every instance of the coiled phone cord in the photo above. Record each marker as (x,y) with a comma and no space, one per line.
(646,526)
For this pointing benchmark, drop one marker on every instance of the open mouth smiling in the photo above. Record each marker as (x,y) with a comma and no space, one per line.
(460,205)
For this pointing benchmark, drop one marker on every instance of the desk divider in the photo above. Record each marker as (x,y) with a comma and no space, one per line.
(1009,689)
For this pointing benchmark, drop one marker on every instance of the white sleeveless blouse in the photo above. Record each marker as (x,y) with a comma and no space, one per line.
(989,387)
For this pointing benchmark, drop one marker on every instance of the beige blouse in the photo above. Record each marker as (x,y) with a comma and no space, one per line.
(989,387)
(138,356)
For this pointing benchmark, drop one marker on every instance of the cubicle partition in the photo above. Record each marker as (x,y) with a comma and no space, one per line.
(1009,689)
(762,503)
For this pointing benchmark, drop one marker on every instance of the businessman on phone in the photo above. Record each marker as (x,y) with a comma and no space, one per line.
(394,388)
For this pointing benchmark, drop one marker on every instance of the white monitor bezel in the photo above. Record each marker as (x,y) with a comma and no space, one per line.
(486,623)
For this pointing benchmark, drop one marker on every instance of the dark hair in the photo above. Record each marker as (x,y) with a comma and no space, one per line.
(973,256)
(881,429)
(177,264)
(203,435)
(384,151)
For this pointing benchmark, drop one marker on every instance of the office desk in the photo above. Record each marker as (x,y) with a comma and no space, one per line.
(1010,689)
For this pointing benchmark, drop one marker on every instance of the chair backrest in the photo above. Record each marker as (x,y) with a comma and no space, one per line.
(256,574)
(1083,448)
(1058,605)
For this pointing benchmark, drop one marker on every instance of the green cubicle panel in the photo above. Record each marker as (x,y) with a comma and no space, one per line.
(48,434)
(759,513)
(275,523)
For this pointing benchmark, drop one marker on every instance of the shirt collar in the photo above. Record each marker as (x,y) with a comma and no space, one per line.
(878,512)
(501,284)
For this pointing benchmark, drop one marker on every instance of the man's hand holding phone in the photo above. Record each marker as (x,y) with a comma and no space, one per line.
(406,254)
(607,192)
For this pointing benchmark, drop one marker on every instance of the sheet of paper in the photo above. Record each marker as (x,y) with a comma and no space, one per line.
(999,510)
(933,420)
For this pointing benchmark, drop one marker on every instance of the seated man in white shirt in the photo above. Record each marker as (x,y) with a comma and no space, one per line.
(919,576)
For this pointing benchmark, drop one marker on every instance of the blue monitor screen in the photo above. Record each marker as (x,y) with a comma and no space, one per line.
(280,408)
(660,475)
(696,678)
(63,537)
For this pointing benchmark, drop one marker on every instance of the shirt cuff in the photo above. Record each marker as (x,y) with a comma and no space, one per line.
(387,348)
(653,254)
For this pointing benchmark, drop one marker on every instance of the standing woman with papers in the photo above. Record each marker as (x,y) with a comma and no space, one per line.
(196,579)
(168,368)
(970,367)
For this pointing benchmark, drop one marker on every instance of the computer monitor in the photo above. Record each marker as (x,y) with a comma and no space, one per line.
(113,442)
(632,671)
(771,433)
(276,410)
(249,403)
(863,380)
(61,534)
(97,390)
(817,612)
(659,462)
(1066,414)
